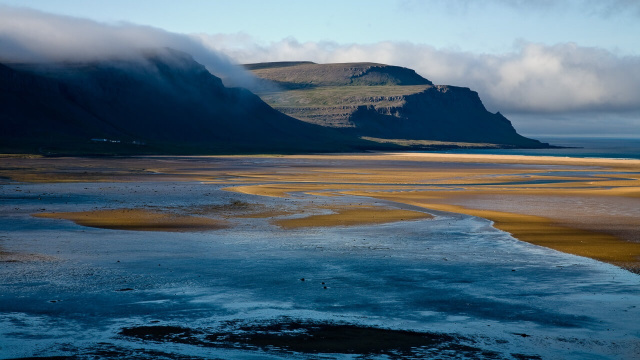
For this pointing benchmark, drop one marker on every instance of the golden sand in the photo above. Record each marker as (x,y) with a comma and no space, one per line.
(351,215)
(137,219)
(449,182)
(422,180)
(537,230)
(478,158)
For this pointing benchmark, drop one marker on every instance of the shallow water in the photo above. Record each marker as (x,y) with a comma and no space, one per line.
(453,274)
(573,147)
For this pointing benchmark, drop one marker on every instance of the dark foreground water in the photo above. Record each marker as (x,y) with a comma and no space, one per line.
(576,147)
(450,287)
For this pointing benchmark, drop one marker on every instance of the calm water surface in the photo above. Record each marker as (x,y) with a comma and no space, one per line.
(576,147)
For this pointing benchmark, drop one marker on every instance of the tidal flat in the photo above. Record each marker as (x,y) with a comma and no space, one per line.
(371,256)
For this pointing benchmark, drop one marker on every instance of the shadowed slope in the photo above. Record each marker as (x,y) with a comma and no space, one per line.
(163,101)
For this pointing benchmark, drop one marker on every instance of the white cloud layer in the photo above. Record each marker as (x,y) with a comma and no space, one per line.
(533,78)
(561,82)
(32,36)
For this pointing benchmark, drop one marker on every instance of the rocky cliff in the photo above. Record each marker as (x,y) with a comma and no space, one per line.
(380,101)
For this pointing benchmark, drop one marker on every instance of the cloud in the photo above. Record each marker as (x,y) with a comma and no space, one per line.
(32,36)
(561,81)
(590,124)
(533,78)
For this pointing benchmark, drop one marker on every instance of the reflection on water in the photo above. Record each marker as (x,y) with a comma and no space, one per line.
(452,275)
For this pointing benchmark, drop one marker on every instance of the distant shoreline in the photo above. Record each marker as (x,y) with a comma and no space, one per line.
(578,147)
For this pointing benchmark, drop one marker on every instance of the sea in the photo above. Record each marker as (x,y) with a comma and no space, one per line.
(77,291)
(586,147)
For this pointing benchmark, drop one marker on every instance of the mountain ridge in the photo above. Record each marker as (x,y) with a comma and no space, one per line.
(395,103)
(164,100)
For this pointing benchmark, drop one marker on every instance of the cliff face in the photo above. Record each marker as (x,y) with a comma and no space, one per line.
(164,100)
(388,102)
(444,113)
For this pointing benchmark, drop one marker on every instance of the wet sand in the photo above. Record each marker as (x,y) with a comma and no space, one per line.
(138,220)
(433,181)
(447,286)
(566,236)
(467,184)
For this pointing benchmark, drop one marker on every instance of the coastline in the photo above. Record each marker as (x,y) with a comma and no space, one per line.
(463,183)
(593,178)
(308,243)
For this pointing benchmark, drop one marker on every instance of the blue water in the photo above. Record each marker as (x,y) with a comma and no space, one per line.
(452,274)
(576,147)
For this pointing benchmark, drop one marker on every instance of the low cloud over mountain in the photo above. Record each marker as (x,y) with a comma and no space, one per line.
(566,86)
(531,78)
(30,36)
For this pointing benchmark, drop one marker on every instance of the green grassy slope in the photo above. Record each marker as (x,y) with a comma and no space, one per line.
(381,101)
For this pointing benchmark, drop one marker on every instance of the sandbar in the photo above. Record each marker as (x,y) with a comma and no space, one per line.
(443,182)
(138,220)
(351,215)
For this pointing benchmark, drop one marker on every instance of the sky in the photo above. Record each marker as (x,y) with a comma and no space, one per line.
(553,67)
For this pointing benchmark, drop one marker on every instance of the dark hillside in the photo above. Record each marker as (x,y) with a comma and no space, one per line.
(164,102)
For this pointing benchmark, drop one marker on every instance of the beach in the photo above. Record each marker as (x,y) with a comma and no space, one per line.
(208,257)
(586,207)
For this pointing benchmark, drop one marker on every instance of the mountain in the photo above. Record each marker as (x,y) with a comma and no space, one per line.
(383,102)
(161,102)
(164,102)
(306,74)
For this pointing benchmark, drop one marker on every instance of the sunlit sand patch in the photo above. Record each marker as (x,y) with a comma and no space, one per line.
(351,215)
(138,219)
(552,234)
(592,240)
(329,193)
(479,158)
(537,230)
(614,215)
(319,190)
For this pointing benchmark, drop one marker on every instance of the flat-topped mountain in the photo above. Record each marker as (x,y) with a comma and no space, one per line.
(379,101)
(305,74)
(161,102)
